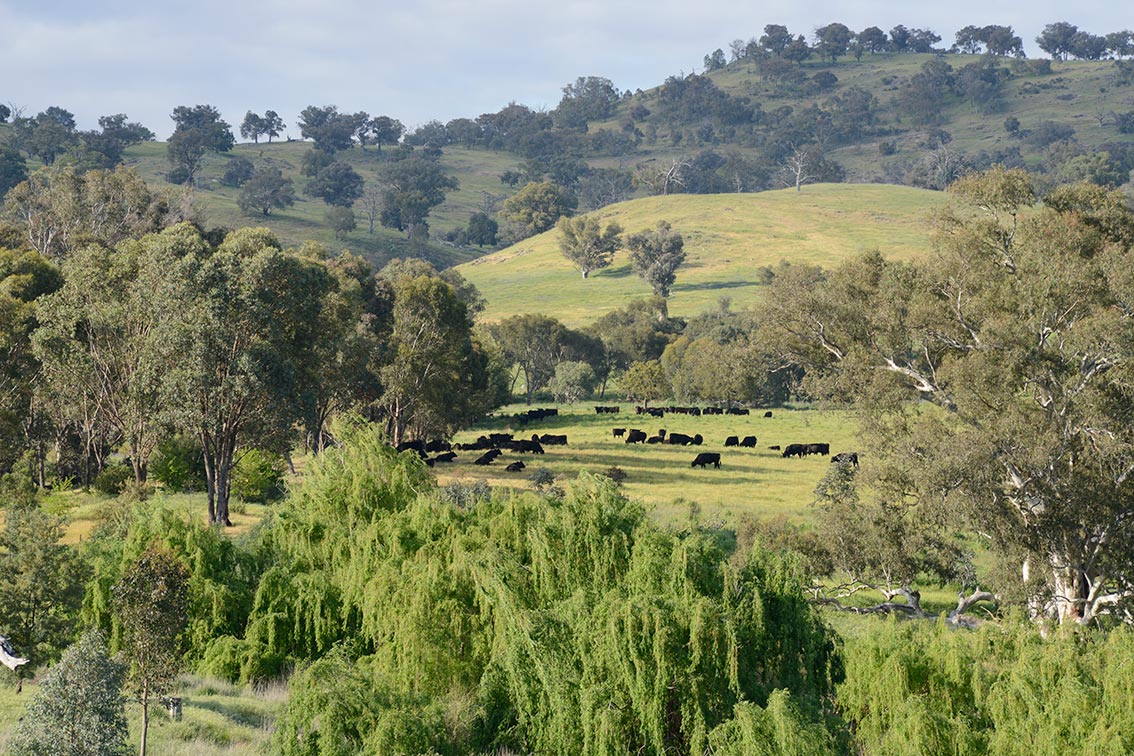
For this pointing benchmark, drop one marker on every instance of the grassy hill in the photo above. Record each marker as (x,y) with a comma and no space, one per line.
(729,238)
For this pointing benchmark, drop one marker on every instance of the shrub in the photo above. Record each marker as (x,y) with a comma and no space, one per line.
(178,464)
(113,478)
(258,477)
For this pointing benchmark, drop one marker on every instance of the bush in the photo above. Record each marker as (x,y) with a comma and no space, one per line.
(239,170)
(178,464)
(258,477)
(113,478)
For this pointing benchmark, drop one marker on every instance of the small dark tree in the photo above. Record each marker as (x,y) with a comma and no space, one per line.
(79,709)
(337,184)
(385,130)
(482,230)
(267,190)
(341,220)
(252,127)
(239,170)
(273,125)
(13,169)
(656,255)
(150,602)
(199,130)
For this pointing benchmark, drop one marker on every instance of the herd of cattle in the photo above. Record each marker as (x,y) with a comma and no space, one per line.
(494,444)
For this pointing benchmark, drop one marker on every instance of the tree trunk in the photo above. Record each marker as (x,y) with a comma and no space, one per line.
(145,716)
(585,271)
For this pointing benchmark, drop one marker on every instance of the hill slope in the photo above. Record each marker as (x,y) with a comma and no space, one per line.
(729,238)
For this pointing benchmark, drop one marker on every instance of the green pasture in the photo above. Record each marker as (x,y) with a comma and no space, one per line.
(729,239)
(218,719)
(757,482)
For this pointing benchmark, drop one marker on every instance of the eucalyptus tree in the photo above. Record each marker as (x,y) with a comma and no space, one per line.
(586,244)
(994,381)
(246,326)
(656,255)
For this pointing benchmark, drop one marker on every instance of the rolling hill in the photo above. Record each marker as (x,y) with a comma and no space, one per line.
(729,238)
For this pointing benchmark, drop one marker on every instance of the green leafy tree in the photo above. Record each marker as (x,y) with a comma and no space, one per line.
(573,380)
(252,127)
(531,342)
(337,184)
(586,244)
(656,256)
(198,130)
(413,187)
(42,588)
(273,125)
(79,708)
(238,171)
(536,208)
(436,376)
(57,210)
(267,190)
(47,135)
(151,604)
(999,360)
(776,39)
(644,381)
(341,220)
(384,130)
(639,332)
(588,98)
(482,230)
(1057,39)
(330,130)
(243,341)
(832,41)
(13,169)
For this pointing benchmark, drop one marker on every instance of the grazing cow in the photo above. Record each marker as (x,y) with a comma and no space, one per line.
(768,413)
(823,449)
(679,439)
(737,411)
(515,466)
(712,411)
(549,440)
(748,442)
(445,457)
(524,445)
(636,437)
(485,459)
(795,450)
(619,432)
(845,458)
(732,441)
(707,458)
(774,448)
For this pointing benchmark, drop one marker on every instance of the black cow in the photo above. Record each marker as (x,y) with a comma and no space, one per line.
(774,448)
(679,439)
(823,449)
(636,437)
(698,440)
(732,441)
(795,450)
(658,439)
(619,432)
(523,445)
(768,413)
(748,442)
(485,459)
(515,466)
(707,458)
(417,446)
(438,445)
(550,440)
(445,457)
(845,457)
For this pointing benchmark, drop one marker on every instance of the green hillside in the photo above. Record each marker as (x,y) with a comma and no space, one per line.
(729,238)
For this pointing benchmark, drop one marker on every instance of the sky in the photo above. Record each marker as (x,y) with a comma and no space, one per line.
(416,60)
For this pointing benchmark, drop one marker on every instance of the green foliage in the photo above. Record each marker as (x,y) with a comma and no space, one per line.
(266,190)
(644,381)
(573,380)
(258,477)
(536,208)
(578,625)
(42,585)
(341,220)
(79,709)
(656,255)
(113,478)
(918,689)
(337,184)
(178,464)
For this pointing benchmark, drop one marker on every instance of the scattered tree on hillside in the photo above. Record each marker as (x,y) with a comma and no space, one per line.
(482,230)
(341,220)
(198,131)
(79,708)
(656,256)
(330,130)
(267,190)
(589,98)
(586,245)
(536,208)
(338,184)
(873,39)
(252,127)
(776,39)
(413,187)
(1057,39)
(13,169)
(151,605)
(47,135)
(832,41)
(238,171)
(272,124)
(384,130)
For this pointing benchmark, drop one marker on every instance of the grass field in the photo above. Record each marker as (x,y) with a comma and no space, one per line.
(757,482)
(218,719)
(729,238)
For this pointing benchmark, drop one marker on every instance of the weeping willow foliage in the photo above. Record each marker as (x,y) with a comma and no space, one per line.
(223,572)
(912,689)
(572,626)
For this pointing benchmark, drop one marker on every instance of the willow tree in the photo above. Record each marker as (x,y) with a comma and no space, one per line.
(248,318)
(994,380)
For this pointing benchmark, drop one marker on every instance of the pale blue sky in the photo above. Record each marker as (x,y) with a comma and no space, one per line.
(418,59)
